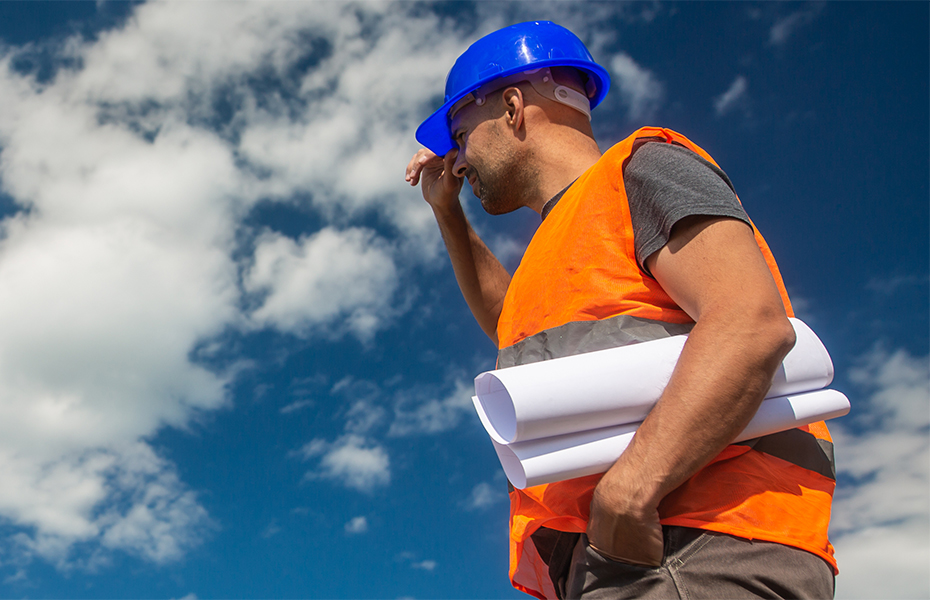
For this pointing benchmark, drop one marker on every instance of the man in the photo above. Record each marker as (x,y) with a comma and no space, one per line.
(645,241)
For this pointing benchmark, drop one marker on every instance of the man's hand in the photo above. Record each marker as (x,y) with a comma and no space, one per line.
(440,186)
(622,528)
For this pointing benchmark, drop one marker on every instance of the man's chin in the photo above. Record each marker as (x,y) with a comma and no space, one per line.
(496,208)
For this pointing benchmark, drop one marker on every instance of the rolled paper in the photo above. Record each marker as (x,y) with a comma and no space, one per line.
(613,387)
(557,458)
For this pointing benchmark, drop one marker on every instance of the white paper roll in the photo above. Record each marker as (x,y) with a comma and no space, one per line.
(566,456)
(613,387)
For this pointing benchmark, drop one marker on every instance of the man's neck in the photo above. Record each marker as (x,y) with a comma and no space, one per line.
(558,163)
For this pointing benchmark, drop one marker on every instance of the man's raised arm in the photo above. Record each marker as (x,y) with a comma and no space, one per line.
(481,277)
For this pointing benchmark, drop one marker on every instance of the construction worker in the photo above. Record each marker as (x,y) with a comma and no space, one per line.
(643,241)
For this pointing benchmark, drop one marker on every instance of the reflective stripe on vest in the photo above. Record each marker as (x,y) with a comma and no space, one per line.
(580,289)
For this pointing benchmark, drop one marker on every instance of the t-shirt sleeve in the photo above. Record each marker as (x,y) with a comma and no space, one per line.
(666,183)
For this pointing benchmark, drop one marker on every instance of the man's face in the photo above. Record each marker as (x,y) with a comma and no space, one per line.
(486,159)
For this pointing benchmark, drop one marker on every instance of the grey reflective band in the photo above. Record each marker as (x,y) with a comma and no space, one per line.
(799,448)
(579,337)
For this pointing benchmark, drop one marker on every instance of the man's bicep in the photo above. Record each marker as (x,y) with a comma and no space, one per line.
(714,263)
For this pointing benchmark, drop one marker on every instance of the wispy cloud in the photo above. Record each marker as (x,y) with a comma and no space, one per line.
(357,525)
(271,530)
(486,494)
(425,565)
(410,558)
(736,96)
(891,285)
(640,90)
(785,27)
(295,406)
(881,517)
(419,412)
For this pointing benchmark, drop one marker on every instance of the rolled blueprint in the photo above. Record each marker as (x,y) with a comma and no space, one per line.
(571,455)
(613,387)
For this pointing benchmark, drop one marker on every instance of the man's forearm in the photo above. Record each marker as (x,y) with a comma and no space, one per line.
(481,277)
(718,384)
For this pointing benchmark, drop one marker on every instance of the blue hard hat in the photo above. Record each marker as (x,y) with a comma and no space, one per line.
(514,49)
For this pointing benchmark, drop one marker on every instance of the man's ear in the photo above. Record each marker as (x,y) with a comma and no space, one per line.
(514,104)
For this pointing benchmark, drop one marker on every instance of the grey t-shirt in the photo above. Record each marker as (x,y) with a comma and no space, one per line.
(664,184)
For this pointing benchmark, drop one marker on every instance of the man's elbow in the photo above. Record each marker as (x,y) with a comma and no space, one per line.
(776,334)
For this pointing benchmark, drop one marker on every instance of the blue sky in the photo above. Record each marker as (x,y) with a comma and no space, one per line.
(234,361)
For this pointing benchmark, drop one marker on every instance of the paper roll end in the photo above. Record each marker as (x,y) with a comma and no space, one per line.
(513,468)
(495,408)
(802,330)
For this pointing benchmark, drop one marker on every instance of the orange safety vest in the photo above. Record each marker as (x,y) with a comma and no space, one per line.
(580,289)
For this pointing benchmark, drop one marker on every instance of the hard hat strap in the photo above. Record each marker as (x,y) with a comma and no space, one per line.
(541,80)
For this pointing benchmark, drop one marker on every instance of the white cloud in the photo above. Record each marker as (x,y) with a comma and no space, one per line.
(271,530)
(122,265)
(410,558)
(881,522)
(787,26)
(352,460)
(363,416)
(347,277)
(641,92)
(295,406)
(486,494)
(891,285)
(431,415)
(425,565)
(155,517)
(736,96)
(357,525)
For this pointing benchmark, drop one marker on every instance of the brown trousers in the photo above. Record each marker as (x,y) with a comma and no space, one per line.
(702,564)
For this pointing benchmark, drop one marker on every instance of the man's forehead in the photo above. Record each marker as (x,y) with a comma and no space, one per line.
(462,116)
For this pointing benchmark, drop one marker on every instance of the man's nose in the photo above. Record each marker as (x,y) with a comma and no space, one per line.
(460,165)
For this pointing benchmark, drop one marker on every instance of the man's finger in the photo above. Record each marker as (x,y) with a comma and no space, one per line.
(416,164)
(448,161)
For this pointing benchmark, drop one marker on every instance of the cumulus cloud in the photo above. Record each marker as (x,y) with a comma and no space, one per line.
(357,525)
(736,96)
(881,519)
(132,170)
(640,90)
(344,277)
(155,516)
(351,460)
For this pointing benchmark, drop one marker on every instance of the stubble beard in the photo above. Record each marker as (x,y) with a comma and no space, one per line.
(496,191)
